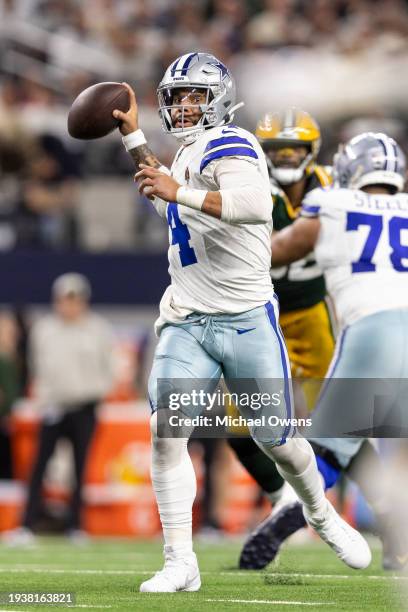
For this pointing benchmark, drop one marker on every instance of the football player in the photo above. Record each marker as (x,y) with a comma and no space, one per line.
(291,141)
(219,315)
(357,234)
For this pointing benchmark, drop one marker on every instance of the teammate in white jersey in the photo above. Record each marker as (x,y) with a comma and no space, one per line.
(219,315)
(357,230)
(359,236)
(359,233)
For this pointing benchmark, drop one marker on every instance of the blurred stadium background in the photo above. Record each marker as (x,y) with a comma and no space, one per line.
(66,205)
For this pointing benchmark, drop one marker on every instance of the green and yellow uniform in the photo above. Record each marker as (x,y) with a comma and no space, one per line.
(300,287)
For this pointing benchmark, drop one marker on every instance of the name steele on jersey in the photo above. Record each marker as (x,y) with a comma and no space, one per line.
(180,420)
(374,203)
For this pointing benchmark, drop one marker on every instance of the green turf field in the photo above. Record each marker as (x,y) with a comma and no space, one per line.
(105,574)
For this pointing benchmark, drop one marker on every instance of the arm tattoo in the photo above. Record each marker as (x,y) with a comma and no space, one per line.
(143,155)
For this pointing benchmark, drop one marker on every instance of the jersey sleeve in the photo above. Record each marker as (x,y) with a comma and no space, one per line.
(245,196)
(227,145)
(159,204)
(314,202)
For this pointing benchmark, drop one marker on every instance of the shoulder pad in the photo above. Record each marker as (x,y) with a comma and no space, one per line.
(227,141)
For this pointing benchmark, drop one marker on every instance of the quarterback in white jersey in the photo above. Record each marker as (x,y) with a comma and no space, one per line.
(219,315)
(233,252)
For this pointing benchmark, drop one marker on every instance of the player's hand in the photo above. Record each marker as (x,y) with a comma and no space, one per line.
(155,183)
(129,120)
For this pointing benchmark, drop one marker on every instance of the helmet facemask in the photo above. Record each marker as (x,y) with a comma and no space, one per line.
(292,128)
(288,175)
(208,117)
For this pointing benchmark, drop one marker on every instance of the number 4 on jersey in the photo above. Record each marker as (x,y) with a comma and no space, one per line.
(180,235)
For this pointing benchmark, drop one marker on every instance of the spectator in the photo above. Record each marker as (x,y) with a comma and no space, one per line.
(45,215)
(277,25)
(9,387)
(71,360)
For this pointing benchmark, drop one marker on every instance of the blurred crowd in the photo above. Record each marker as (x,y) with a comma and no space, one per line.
(52,49)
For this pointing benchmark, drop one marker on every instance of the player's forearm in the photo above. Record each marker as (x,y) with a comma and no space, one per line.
(137,147)
(293,243)
(212,204)
(143,155)
(234,206)
(283,253)
(208,202)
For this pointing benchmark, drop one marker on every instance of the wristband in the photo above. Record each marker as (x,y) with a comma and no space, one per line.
(193,198)
(133,140)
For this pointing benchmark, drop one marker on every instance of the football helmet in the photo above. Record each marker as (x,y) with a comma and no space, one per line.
(370,159)
(290,127)
(200,71)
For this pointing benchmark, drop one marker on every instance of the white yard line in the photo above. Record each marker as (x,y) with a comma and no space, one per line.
(73,606)
(292,575)
(274,602)
(52,570)
(328,576)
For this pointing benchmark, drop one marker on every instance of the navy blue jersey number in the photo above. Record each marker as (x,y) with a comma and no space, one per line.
(180,235)
(375,224)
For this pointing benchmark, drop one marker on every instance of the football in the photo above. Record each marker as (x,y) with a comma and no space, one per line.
(90,115)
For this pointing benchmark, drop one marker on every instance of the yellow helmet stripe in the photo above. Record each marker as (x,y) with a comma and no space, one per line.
(324,178)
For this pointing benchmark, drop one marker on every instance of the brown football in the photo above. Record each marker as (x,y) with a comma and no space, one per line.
(90,115)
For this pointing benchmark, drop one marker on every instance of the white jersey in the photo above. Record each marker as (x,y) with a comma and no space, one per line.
(362,248)
(218,266)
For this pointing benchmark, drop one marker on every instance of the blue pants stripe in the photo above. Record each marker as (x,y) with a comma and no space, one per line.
(285,364)
(334,363)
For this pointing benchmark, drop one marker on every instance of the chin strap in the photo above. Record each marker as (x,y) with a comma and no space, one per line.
(287,176)
(231,112)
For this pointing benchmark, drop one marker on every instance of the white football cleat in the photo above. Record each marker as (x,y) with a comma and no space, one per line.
(180,573)
(348,544)
(21,537)
(78,537)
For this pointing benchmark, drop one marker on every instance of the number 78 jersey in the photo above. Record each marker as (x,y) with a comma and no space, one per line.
(362,249)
